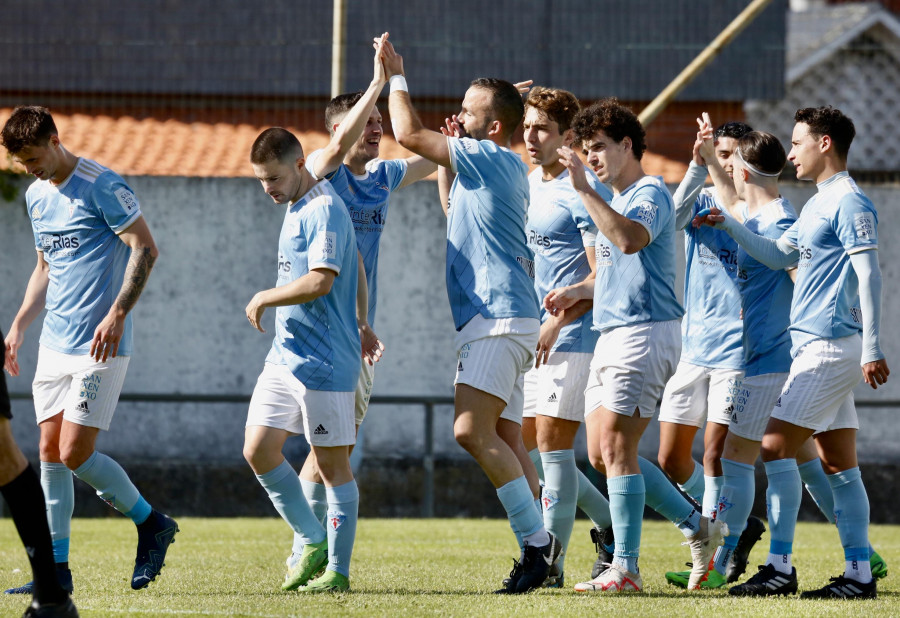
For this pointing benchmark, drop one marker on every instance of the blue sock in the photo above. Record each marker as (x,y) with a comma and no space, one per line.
(592,503)
(851,511)
(318,502)
(694,486)
(783,504)
(343,512)
(713,485)
(663,498)
(736,496)
(560,494)
(283,486)
(59,495)
(535,456)
(816,481)
(113,486)
(626,504)
(517,499)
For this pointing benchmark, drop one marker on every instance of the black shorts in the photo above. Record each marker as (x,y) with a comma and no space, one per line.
(5,408)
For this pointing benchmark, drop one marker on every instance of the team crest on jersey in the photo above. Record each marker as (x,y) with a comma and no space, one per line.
(647,212)
(336,520)
(549,499)
(864,224)
(73,204)
(126,198)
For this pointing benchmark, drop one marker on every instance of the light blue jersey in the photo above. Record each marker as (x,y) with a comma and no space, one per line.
(490,270)
(637,288)
(837,221)
(711,330)
(559,228)
(319,340)
(75,225)
(766,296)
(367,198)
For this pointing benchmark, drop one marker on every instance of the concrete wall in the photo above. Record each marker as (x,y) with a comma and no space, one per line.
(217,239)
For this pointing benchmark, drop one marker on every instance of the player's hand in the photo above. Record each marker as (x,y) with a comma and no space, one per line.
(695,153)
(255,311)
(379,74)
(11,347)
(372,347)
(392,61)
(453,127)
(708,216)
(573,163)
(547,339)
(560,299)
(706,147)
(524,87)
(876,373)
(107,336)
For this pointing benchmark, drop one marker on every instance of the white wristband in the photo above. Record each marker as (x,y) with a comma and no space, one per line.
(398,82)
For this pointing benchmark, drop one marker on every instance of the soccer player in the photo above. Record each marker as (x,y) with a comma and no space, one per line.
(94,255)
(21,489)
(350,163)
(562,237)
(706,384)
(837,298)
(492,298)
(310,375)
(637,316)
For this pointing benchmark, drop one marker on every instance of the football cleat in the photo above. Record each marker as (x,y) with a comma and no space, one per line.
(329,581)
(603,539)
(843,588)
(154,537)
(703,546)
(509,583)
(613,579)
(536,563)
(739,559)
(313,558)
(879,566)
(51,610)
(64,576)
(767,582)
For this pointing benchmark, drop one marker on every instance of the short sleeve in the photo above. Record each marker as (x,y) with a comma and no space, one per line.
(117,203)
(394,171)
(327,235)
(468,155)
(644,208)
(856,223)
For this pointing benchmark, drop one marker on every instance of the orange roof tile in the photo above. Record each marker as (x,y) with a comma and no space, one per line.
(167,146)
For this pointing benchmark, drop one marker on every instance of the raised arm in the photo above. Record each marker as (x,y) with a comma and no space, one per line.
(352,126)
(32,305)
(627,235)
(724,184)
(408,128)
(417,168)
(143,255)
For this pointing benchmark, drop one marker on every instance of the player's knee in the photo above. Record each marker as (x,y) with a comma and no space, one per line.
(597,462)
(713,456)
(49,450)
(468,439)
(669,463)
(254,456)
(74,454)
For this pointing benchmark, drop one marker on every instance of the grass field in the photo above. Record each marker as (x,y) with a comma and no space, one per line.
(234,567)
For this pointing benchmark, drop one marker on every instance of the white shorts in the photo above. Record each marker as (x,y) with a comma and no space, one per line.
(556,388)
(364,390)
(696,394)
(631,366)
(281,401)
(86,391)
(754,403)
(497,365)
(818,393)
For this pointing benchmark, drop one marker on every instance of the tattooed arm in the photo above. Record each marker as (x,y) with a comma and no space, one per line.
(143,255)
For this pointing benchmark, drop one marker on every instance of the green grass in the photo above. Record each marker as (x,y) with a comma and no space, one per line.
(234,567)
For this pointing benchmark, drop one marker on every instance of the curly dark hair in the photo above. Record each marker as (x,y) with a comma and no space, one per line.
(558,105)
(614,119)
(733,129)
(831,122)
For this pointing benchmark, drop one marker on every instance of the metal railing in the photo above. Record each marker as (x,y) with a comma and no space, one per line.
(428,403)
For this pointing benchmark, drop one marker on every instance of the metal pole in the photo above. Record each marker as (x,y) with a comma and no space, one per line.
(428,463)
(699,63)
(338,47)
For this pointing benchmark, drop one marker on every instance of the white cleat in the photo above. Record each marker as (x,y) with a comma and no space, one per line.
(703,547)
(614,579)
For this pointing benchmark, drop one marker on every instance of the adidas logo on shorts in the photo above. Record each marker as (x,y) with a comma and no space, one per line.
(320,431)
(552,398)
(82,407)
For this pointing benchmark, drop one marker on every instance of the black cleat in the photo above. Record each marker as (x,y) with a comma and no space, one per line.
(737,564)
(509,584)
(536,565)
(63,574)
(154,537)
(843,588)
(602,538)
(51,610)
(767,582)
